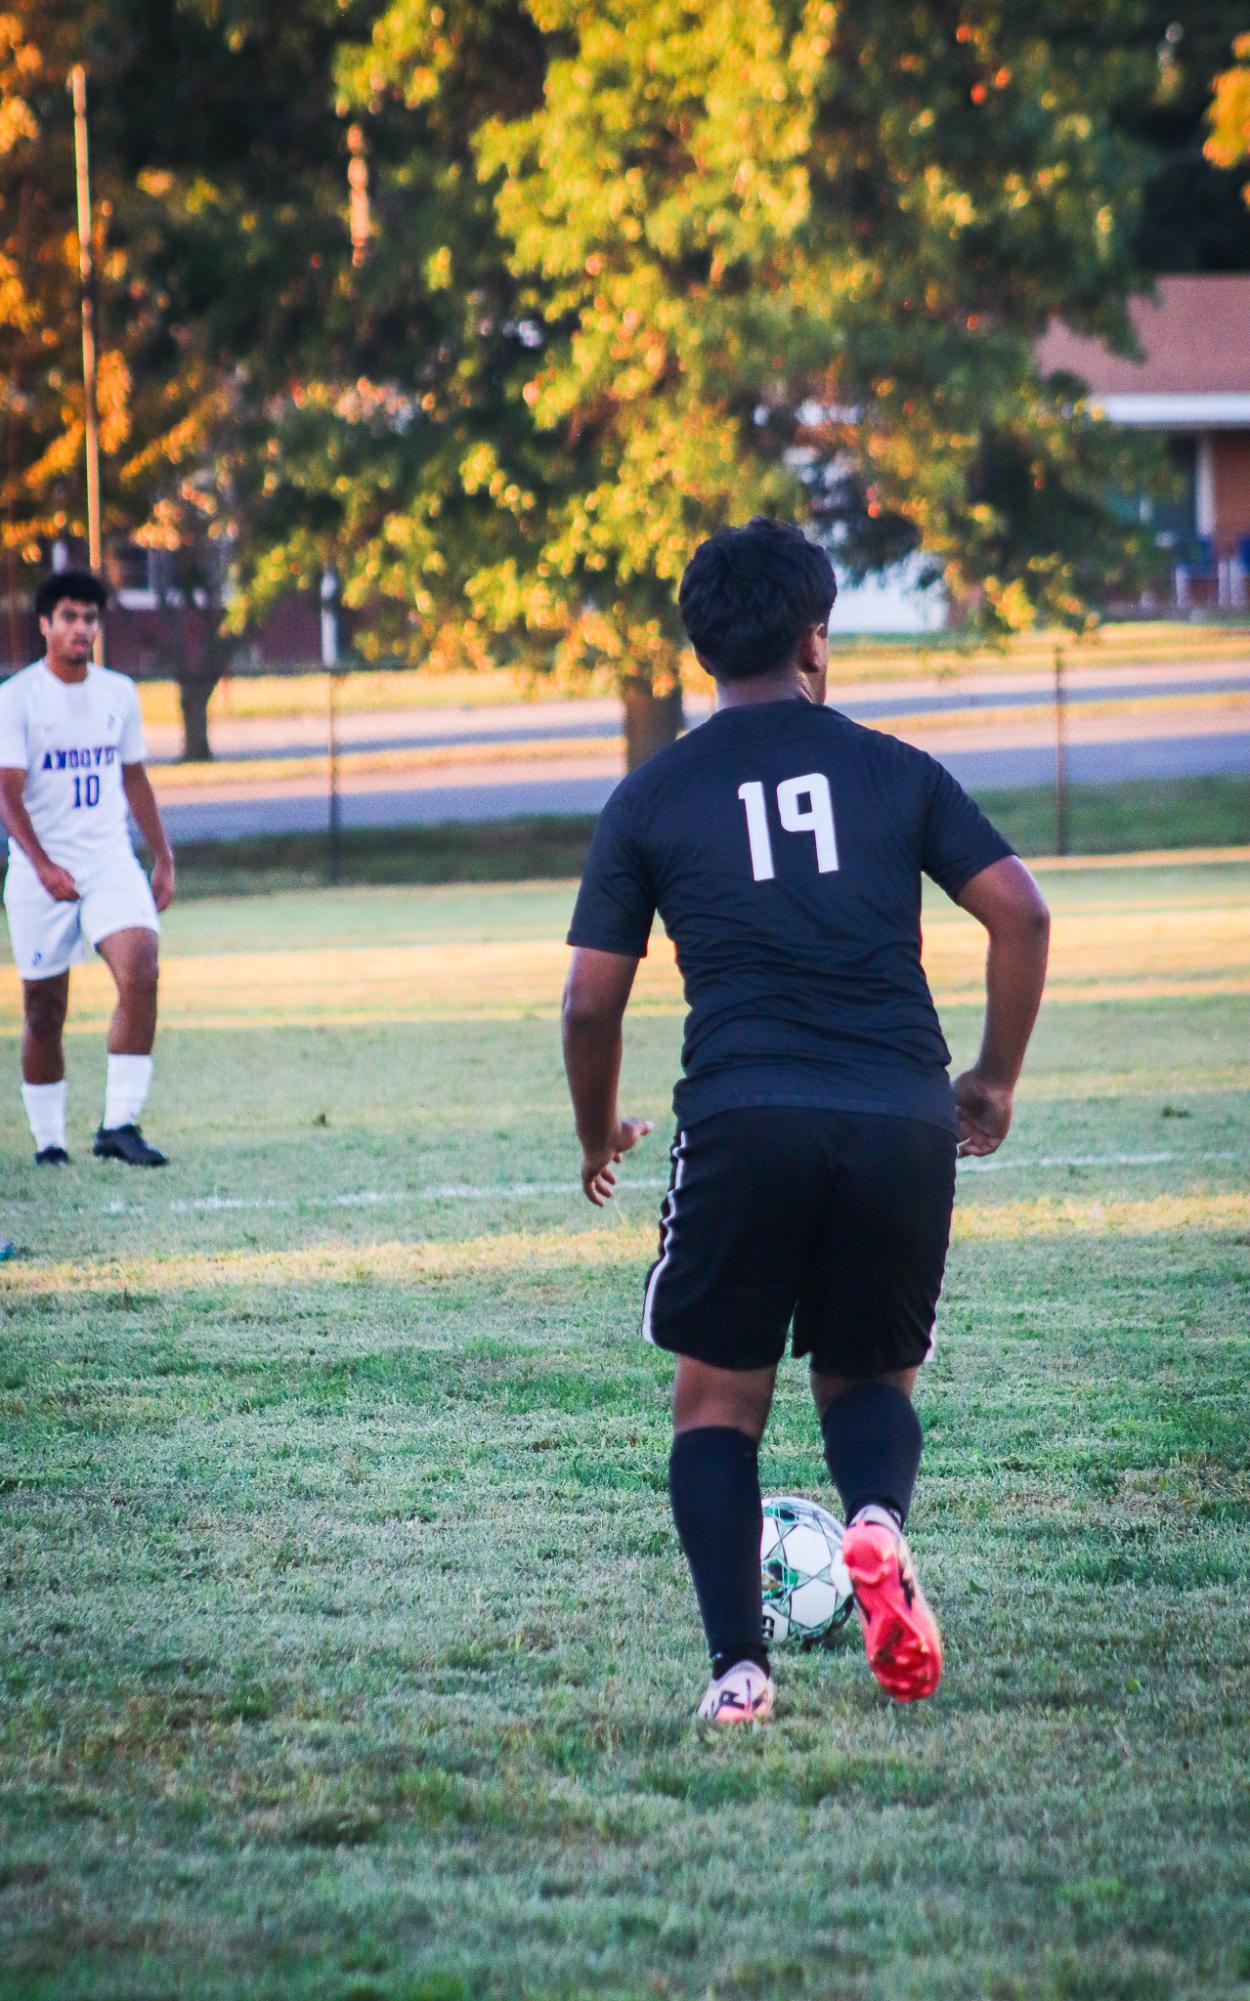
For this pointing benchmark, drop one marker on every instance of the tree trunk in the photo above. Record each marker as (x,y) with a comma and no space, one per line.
(193,696)
(651,720)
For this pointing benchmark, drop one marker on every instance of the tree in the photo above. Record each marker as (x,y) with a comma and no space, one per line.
(401,445)
(629,271)
(41,480)
(711,260)
(219,176)
(795,246)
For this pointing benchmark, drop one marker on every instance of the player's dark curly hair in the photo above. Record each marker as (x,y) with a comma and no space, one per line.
(749,594)
(83,586)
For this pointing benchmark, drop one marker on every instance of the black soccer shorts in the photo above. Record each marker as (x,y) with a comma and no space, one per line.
(837,1221)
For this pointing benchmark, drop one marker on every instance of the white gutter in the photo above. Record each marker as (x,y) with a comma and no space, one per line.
(1196,410)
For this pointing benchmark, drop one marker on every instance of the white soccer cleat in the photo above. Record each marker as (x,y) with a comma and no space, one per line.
(743,1695)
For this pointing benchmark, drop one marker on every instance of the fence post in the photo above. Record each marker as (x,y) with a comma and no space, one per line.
(330,661)
(1061,758)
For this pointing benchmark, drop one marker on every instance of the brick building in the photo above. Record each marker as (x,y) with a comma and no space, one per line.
(1192,387)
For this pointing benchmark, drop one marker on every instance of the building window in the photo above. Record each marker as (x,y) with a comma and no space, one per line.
(1174,512)
(131,573)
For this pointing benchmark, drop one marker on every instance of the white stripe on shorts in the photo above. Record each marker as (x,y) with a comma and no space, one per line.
(668,1218)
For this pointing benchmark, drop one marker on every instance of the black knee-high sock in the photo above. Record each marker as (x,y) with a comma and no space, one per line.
(714,1487)
(872,1448)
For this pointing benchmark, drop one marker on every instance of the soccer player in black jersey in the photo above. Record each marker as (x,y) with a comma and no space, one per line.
(814,1164)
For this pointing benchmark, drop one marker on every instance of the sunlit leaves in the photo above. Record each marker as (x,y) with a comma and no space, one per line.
(1229,117)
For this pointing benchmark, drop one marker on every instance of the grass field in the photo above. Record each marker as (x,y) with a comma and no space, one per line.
(348,1651)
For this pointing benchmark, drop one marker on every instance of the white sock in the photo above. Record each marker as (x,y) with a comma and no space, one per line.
(126,1092)
(874,1512)
(45,1108)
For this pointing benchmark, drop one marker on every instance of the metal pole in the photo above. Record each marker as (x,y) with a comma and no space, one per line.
(10,554)
(359,222)
(330,661)
(86,278)
(1061,759)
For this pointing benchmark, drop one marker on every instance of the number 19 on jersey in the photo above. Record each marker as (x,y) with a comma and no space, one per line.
(815,817)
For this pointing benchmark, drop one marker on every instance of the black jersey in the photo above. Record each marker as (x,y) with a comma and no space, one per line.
(783,846)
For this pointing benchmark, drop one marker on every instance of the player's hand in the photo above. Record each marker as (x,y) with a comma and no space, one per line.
(163,883)
(59,882)
(982,1113)
(598,1180)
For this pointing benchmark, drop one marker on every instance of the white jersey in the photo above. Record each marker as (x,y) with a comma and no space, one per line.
(71,738)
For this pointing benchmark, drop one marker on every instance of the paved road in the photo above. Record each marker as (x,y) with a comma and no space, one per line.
(245,739)
(514,790)
(1176,727)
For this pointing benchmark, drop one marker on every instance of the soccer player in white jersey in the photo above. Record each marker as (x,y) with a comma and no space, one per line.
(71,763)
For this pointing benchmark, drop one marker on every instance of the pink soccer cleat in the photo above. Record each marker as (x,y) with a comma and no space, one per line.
(901,1634)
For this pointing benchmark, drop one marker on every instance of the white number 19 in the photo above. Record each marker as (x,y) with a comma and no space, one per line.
(816,819)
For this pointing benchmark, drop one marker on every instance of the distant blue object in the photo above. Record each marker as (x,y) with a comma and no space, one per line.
(1201,557)
(7,1250)
(1201,568)
(1243,553)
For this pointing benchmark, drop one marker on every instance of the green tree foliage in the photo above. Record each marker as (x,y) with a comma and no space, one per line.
(788,256)
(401,446)
(631,270)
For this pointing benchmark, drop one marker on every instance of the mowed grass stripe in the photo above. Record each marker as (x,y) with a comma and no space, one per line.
(347,1648)
(539,1250)
(1124,948)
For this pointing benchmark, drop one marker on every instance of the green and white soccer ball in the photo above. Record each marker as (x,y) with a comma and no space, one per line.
(807,1588)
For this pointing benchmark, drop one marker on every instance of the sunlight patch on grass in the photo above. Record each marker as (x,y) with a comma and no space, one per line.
(1133,952)
(522,1255)
(1065,1215)
(515,1254)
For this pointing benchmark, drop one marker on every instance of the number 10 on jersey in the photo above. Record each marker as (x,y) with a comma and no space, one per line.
(814,818)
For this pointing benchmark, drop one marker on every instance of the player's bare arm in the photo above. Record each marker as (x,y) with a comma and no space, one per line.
(595,997)
(1007,901)
(58,881)
(147,814)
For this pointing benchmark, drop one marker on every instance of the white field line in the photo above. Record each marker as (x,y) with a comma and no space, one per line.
(495,1191)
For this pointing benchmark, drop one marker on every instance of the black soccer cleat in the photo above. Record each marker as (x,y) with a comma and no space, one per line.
(127,1143)
(52,1156)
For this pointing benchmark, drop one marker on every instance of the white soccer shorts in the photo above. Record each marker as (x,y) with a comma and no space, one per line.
(49,937)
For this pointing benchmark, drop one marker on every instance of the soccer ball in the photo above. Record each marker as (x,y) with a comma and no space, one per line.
(807,1588)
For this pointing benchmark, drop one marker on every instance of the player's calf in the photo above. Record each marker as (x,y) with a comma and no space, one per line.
(43,1067)
(131,955)
(872,1446)
(714,1489)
